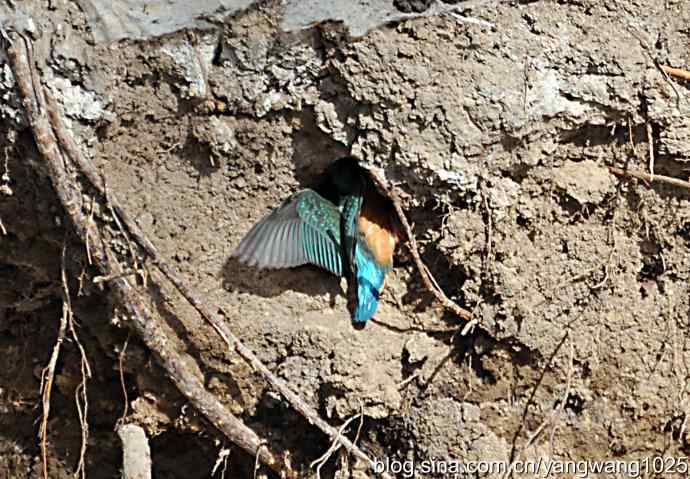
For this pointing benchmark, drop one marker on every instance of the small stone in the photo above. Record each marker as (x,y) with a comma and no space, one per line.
(585,181)
(470,412)
(420,347)
(410,6)
(502,196)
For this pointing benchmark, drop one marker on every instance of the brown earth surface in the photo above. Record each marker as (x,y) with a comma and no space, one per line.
(500,139)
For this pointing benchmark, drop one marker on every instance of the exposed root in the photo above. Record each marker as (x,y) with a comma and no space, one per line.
(662,69)
(80,393)
(257,460)
(87,246)
(551,419)
(335,444)
(120,368)
(650,141)
(222,459)
(630,137)
(514,453)
(408,380)
(48,377)
(649,178)
(471,324)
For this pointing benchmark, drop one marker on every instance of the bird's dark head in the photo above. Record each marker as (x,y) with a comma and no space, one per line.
(367,300)
(346,175)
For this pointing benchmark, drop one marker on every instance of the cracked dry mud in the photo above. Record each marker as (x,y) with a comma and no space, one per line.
(499,138)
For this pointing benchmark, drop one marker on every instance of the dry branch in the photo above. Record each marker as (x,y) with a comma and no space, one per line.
(427,279)
(676,72)
(146,326)
(649,178)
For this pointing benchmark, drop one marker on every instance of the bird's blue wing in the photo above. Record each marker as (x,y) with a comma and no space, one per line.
(304,229)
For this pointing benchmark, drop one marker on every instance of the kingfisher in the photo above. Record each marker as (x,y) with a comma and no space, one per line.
(344,225)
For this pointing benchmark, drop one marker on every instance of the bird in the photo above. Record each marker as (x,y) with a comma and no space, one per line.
(344,225)
(348,181)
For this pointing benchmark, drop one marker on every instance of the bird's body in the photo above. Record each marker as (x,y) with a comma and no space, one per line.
(355,238)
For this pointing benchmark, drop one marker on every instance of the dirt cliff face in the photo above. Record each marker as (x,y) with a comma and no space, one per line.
(500,139)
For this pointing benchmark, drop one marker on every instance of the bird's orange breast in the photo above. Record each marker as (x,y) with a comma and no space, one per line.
(380,232)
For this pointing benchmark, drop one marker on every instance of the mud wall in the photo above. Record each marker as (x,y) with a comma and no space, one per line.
(500,138)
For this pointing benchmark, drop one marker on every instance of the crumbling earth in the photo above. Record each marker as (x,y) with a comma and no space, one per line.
(500,139)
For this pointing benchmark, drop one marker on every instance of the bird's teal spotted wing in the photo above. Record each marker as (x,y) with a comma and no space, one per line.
(349,180)
(304,229)
(351,206)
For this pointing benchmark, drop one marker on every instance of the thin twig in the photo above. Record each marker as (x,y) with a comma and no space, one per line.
(676,72)
(551,419)
(650,141)
(640,175)
(663,70)
(427,278)
(335,444)
(48,377)
(222,458)
(80,393)
(120,367)
(513,451)
(630,136)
